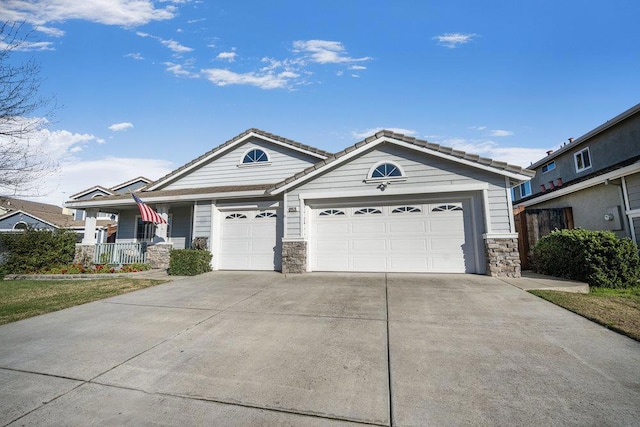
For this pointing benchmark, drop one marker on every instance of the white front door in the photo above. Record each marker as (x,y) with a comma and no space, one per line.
(393,238)
(249,240)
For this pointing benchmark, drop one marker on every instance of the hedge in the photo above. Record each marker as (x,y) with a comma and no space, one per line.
(598,258)
(31,250)
(189,262)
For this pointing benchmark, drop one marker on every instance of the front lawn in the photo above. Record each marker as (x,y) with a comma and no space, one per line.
(20,299)
(617,309)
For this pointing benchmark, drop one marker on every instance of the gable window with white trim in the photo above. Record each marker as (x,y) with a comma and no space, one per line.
(20,226)
(385,172)
(582,159)
(255,157)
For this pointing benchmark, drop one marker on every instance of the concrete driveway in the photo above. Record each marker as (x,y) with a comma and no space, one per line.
(318,349)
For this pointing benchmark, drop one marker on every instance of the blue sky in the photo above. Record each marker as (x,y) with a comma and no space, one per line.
(145,86)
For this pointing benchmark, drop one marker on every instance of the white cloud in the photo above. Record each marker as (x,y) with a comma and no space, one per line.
(263,80)
(518,156)
(501,132)
(127,13)
(355,76)
(116,127)
(175,47)
(367,133)
(227,56)
(453,40)
(179,70)
(477,127)
(325,51)
(135,55)
(357,67)
(50,31)
(26,46)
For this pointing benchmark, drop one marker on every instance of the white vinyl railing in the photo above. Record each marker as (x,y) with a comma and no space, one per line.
(120,253)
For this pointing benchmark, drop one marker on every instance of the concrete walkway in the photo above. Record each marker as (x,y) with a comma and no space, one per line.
(318,349)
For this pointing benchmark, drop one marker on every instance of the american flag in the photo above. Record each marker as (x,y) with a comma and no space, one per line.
(148,214)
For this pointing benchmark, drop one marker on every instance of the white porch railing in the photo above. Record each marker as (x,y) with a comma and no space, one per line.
(120,253)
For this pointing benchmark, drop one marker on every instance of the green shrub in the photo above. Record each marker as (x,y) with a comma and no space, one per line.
(189,262)
(598,258)
(31,250)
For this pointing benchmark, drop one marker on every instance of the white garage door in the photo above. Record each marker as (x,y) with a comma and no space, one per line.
(399,238)
(248,241)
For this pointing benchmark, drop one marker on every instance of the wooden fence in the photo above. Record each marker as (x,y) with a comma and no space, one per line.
(532,224)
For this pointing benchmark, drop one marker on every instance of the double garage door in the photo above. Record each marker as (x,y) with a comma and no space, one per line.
(398,238)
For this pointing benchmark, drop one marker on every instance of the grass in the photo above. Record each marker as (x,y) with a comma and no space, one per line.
(617,309)
(20,299)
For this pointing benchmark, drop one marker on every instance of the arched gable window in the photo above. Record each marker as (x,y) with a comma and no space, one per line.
(20,225)
(387,171)
(255,156)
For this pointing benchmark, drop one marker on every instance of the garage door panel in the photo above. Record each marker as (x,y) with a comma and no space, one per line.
(238,230)
(408,245)
(359,226)
(332,245)
(446,244)
(369,245)
(332,227)
(409,264)
(369,263)
(332,263)
(409,226)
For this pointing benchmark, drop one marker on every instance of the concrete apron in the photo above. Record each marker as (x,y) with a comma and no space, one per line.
(318,349)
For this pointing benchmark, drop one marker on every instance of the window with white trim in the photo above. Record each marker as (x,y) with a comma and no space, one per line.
(548,167)
(386,170)
(525,189)
(446,208)
(582,159)
(255,156)
(266,215)
(368,211)
(331,212)
(236,216)
(20,226)
(146,231)
(406,209)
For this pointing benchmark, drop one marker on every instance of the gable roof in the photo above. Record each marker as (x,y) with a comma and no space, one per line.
(473,160)
(587,136)
(244,136)
(90,190)
(115,188)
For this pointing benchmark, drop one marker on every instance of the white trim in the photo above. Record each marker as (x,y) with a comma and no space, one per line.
(596,180)
(486,210)
(94,188)
(512,225)
(187,197)
(500,236)
(228,148)
(580,153)
(417,191)
(215,234)
(10,214)
(131,181)
(26,226)
(374,143)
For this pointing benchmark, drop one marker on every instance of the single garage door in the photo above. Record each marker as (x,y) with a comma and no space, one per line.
(248,241)
(398,238)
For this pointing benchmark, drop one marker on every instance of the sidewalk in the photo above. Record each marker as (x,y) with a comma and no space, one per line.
(530,280)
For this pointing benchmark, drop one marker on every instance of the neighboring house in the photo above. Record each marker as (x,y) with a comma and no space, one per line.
(17,214)
(591,182)
(99,191)
(388,203)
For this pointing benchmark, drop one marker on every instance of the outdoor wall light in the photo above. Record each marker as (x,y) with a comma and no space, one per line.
(608,217)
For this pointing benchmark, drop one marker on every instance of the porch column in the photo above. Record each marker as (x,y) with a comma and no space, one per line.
(90,227)
(161,229)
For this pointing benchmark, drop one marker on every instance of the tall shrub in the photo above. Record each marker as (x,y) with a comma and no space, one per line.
(32,250)
(598,258)
(189,262)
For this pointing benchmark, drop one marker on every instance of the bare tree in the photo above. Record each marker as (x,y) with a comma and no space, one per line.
(24,114)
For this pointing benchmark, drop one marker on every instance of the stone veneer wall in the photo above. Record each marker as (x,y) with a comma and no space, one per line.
(503,259)
(84,254)
(294,257)
(158,255)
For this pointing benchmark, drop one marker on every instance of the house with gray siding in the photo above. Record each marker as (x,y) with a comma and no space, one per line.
(595,178)
(389,203)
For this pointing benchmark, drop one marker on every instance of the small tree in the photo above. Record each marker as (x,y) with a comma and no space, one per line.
(22,161)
